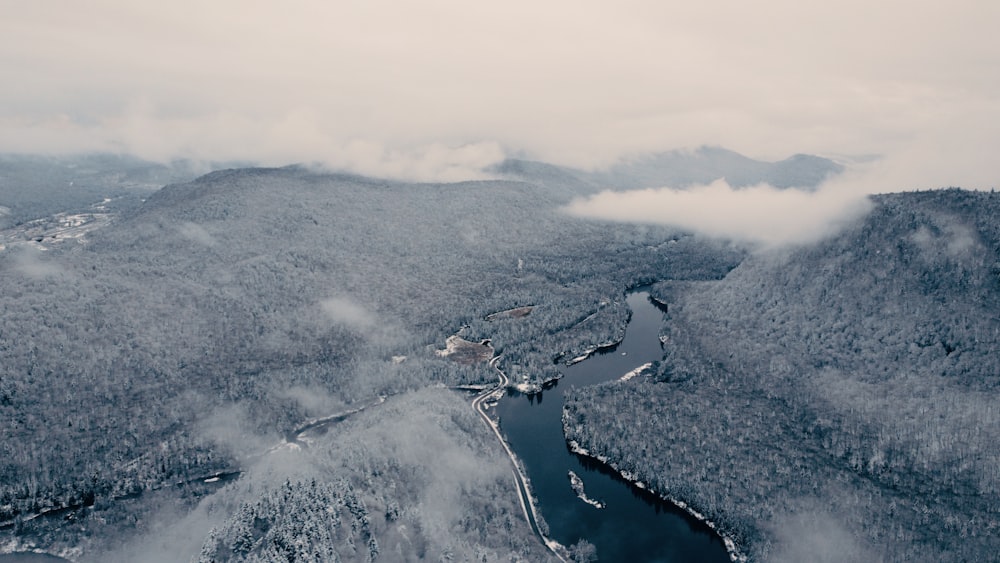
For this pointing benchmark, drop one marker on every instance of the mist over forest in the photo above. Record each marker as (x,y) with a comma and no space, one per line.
(843,389)
(216,363)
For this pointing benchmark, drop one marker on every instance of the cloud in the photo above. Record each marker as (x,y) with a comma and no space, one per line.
(761,214)
(769,216)
(817,536)
(232,429)
(196,233)
(313,400)
(430,162)
(294,137)
(403,89)
(29,262)
(169,533)
(347,312)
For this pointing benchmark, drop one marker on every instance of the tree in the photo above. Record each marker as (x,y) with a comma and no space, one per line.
(583,551)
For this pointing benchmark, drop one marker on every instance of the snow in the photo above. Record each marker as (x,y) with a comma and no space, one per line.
(455,344)
(448,350)
(576,483)
(54,229)
(528,388)
(576,448)
(636,371)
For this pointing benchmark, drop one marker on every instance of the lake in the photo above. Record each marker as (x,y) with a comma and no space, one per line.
(635,525)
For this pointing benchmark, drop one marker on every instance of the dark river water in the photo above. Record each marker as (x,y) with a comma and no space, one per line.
(27,557)
(634,525)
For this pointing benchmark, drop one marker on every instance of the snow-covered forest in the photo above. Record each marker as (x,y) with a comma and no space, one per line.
(158,372)
(190,335)
(842,390)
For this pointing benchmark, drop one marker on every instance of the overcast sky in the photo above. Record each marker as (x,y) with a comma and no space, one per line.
(399,86)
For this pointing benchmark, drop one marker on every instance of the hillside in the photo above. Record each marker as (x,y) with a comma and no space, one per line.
(831,402)
(193,333)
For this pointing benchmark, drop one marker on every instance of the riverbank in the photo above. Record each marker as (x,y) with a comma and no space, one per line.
(624,522)
(480,404)
(735,554)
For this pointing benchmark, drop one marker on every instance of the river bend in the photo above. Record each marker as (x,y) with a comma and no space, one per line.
(633,525)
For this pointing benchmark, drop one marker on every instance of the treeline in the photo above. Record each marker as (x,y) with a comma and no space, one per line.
(844,389)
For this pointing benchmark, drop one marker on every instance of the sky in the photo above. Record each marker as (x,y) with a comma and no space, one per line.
(436,88)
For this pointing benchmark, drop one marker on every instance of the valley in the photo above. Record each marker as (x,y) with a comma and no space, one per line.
(843,386)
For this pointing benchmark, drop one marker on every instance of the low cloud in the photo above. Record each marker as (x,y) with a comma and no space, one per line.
(314,400)
(30,263)
(347,312)
(170,533)
(768,216)
(817,536)
(232,429)
(955,239)
(434,162)
(196,233)
(293,137)
(762,214)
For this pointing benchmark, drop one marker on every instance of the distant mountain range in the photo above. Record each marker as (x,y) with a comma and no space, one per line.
(680,169)
(33,186)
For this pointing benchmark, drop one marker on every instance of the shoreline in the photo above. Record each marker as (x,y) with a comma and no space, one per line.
(735,554)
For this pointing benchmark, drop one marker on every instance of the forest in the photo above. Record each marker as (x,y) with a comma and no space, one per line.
(155,370)
(842,390)
(188,336)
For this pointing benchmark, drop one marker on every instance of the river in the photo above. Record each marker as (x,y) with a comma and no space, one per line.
(29,557)
(635,525)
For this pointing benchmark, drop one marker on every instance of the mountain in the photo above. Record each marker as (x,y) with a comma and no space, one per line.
(249,366)
(679,169)
(192,335)
(841,393)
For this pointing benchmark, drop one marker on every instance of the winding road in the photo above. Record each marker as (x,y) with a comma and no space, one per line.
(295,435)
(480,404)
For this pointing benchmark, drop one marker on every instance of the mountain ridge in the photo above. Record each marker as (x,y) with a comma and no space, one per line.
(843,388)
(682,169)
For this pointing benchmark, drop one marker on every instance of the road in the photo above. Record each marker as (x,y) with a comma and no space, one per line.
(295,435)
(479,403)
